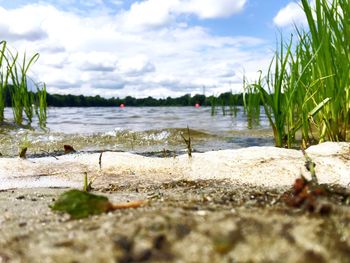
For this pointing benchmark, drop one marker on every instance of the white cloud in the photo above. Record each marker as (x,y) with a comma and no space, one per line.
(136,66)
(14,26)
(211,8)
(106,55)
(289,15)
(156,13)
(293,14)
(150,13)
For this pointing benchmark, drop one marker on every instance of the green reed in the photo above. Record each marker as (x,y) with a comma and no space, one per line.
(3,81)
(41,104)
(274,99)
(14,80)
(5,69)
(233,102)
(306,90)
(251,102)
(223,106)
(329,25)
(22,98)
(213,102)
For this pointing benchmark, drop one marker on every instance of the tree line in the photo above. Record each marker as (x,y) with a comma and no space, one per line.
(60,100)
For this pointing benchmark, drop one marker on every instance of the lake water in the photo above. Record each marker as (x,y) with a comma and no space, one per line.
(134,129)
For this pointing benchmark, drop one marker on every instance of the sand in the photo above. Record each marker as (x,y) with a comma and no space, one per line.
(223,206)
(260,166)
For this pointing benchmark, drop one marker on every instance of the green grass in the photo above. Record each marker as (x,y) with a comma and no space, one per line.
(3,81)
(251,102)
(233,103)
(329,34)
(213,102)
(5,72)
(40,104)
(306,91)
(22,99)
(14,80)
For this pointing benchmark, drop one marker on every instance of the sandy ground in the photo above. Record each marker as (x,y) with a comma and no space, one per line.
(265,166)
(224,206)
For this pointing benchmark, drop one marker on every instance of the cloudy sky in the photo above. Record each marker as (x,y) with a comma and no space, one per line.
(146,48)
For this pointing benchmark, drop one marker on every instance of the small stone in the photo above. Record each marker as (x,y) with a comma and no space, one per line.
(201,213)
(182,230)
(22,224)
(159,241)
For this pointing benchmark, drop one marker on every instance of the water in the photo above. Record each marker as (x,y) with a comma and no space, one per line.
(141,130)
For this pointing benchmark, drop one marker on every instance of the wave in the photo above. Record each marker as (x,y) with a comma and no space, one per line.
(153,141)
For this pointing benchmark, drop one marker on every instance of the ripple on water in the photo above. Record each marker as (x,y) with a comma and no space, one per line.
(133,129)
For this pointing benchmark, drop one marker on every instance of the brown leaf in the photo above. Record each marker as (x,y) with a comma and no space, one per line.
(299,185)
(68,149)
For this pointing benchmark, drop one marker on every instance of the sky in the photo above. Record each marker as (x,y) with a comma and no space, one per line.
(158,48)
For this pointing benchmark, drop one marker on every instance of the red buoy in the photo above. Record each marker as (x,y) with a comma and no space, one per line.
(122,105)
(197,105)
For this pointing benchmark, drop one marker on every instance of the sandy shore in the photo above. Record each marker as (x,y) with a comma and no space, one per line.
(266,166)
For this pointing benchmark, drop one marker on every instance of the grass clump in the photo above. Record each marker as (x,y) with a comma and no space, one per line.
(251,103)
(14,81)
(306,91)
(40,104)
(329,25)
(5,72)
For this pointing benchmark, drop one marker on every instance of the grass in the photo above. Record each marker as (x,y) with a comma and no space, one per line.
(3,81)
(213,102)
(233,102)
(329,33)
(227,101)
(5,72)
(251,103)
(306,91)
(14,80)
(21,98)
(41,104)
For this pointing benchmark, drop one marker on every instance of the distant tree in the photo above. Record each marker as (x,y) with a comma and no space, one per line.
(200,99)
(130,101)
(58,100)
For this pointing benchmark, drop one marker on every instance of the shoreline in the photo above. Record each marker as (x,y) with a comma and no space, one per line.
(261,166)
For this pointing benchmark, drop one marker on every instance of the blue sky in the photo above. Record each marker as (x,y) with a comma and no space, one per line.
(144,48)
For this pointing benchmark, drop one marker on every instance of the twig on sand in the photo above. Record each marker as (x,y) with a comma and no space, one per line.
(188,142)
(310,166)
(50,154)
(100,161)
(131,204)
(23,152)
